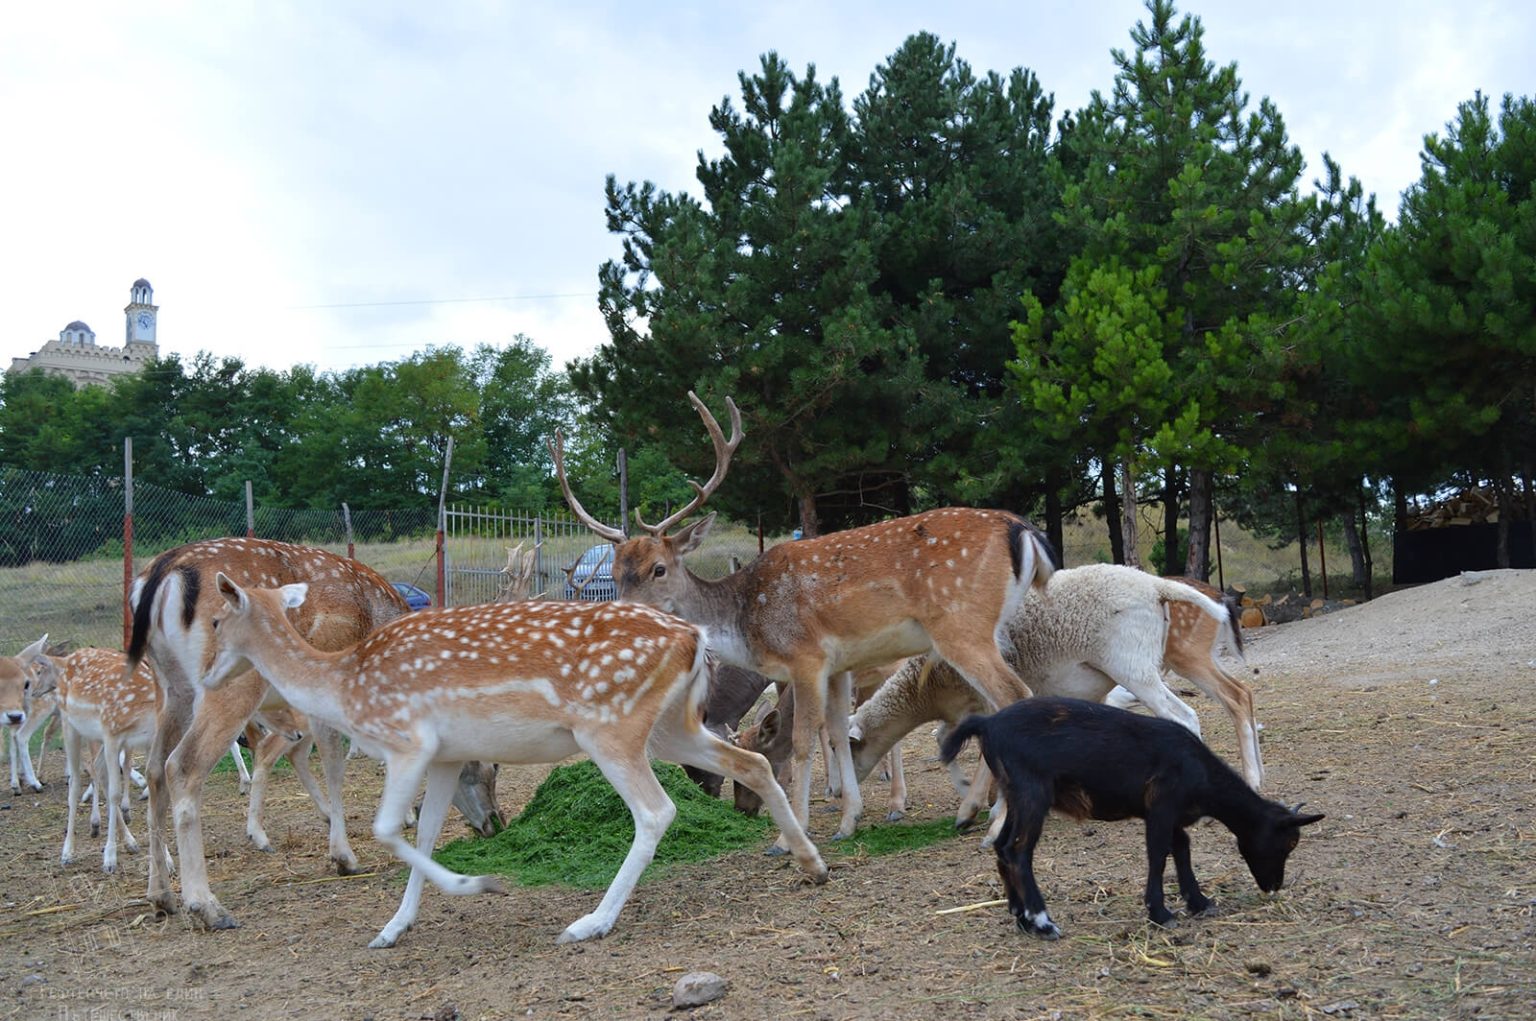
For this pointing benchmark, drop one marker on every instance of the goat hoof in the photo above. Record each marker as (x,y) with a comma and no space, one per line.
(895,816)
(775,851)
(347,866)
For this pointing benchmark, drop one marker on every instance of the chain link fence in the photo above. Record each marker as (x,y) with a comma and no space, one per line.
(62,541)
(62,569)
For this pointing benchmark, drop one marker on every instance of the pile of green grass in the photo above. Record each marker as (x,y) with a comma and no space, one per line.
(577,829)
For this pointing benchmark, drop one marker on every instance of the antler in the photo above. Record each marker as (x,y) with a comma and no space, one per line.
(557,451)
(723,452)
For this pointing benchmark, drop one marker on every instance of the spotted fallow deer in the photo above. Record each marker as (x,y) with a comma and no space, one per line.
(16,673)
(943,581)
(503,682)
(101,702)
(174,603)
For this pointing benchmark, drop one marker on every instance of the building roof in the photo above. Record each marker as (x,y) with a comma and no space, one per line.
(141,282)
(78,325)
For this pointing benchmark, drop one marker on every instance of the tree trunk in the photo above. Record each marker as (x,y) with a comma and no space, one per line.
(1399,509)
(1172,562)
(1530,500)
(1365,544)
(1504,489)
(1356,551)
(810,521)
(1054,533)
(1301,539)
(1128,513)
(1112,514)
(1197,564)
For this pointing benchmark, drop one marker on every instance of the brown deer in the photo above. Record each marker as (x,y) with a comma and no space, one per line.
(943,581)
(502,682)
(174,603)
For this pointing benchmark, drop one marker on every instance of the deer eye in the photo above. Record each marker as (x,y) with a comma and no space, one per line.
(659,571)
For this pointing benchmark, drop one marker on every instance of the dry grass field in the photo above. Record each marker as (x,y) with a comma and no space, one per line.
(1410,721)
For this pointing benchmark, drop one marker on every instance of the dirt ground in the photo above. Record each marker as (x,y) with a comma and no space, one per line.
(1411,721)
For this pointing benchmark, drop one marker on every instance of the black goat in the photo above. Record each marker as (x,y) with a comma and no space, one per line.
(1093,761)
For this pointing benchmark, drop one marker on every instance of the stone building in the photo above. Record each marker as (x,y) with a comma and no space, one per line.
(77,356)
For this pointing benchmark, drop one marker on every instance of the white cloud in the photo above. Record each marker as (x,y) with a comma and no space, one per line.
(252,159)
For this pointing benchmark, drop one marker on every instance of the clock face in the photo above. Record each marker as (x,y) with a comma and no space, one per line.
(145,321)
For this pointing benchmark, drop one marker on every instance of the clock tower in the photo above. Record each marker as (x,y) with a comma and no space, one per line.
(141,312)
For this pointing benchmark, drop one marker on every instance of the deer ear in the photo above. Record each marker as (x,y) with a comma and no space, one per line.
(293,595)
(233,594)
(34,651)
(769,727)
(689,537)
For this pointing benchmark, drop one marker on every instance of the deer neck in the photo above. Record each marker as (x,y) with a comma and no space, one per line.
(720,608)
(309,680)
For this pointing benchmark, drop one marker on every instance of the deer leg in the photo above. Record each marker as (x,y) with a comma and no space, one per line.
(113,780)
(170,727)
(21,751)
(841,760)
(1233,693)
(680,738)
(265,753)
(333,759)
(72,766)
(896,807)
(441,779)
(810,702)
(218,718)
(403,773)
(240,766)
(298,757)
(629,770)
(1149,687)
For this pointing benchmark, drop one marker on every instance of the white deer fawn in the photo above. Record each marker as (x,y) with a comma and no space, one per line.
(944,581)
(503,682)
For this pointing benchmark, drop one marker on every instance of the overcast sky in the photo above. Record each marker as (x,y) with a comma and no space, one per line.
(338,183)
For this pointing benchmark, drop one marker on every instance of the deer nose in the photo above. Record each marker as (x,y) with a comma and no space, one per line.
(15,719)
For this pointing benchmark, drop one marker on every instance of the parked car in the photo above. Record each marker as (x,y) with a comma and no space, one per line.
(415,598)
(593,577)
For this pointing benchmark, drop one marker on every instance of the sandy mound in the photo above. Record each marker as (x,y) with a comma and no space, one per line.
(1476,623)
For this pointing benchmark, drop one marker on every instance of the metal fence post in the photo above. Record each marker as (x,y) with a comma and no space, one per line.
(346,516)
(250,511)
(127,539)
(442,528)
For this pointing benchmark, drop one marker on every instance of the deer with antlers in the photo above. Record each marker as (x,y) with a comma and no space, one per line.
(519,682)
(944,581)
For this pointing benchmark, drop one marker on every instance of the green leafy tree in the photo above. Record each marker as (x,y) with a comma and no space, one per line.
(1172,171)
(955,169)
(761,292)
(522,403)
(1450,294)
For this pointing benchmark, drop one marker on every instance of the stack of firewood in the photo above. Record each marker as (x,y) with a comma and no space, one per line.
(1476,506)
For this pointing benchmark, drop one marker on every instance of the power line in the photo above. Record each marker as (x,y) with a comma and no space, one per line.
(443,301)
